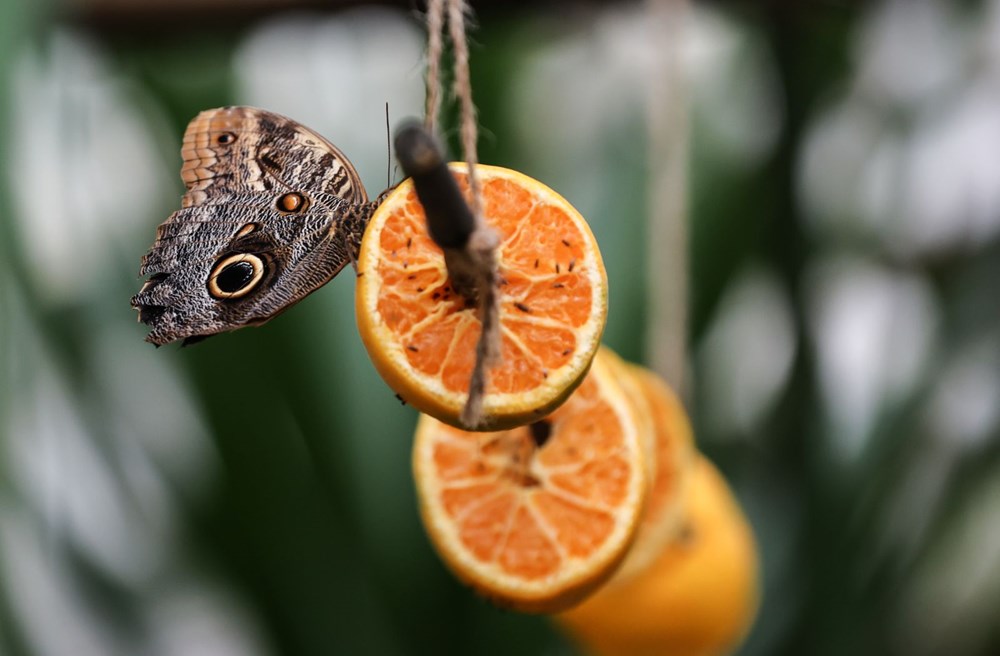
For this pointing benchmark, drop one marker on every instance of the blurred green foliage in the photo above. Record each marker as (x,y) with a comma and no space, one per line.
(305,524)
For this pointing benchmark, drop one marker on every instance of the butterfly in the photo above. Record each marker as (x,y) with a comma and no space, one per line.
(272,212)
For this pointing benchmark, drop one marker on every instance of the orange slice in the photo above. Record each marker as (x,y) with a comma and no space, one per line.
(421,335)
(640,406)
(536,517)
(698,598)
(673,455)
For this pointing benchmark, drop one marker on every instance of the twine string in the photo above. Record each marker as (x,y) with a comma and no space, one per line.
(463,91)
(481,248)
(435,46)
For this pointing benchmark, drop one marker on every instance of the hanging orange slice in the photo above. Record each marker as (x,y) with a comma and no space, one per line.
(640,406)
(536,517)
(421,334)
(673,455)
(698,598)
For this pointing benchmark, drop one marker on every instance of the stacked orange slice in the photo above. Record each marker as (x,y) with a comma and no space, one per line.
(536,517)
(671,456)
(588,487)
(421,334)
(698,597)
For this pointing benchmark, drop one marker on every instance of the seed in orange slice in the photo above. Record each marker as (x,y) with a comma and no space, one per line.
(673,456)
(698,598)
(421,334)
(536,517)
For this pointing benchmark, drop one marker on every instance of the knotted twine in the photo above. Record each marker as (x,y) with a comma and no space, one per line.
(474,269)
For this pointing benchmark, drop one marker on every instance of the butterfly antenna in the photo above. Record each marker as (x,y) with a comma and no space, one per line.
(388,149)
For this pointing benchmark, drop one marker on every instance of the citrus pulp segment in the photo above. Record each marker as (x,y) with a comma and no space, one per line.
(536,517)
(640,406)
(421,334)
(698,598)
(674,457)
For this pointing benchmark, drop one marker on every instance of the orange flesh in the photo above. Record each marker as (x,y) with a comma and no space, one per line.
(546,293)
(700,595)
(672,447)
(529,509)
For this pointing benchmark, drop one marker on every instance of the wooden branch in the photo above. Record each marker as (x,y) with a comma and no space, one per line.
(449,218)
(469,248)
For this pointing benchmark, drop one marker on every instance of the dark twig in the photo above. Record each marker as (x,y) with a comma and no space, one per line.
(449,218)
(468,246)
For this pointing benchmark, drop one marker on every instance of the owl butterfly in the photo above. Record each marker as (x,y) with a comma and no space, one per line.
(272,212)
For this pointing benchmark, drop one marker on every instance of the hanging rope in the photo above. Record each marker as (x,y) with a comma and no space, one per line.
(463,91)
(667,256)
(435,24)
(473,269)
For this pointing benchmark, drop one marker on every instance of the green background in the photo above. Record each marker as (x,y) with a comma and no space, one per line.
(252,494)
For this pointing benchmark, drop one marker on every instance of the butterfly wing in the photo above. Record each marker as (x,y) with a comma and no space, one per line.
(272,212)
(248,149)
